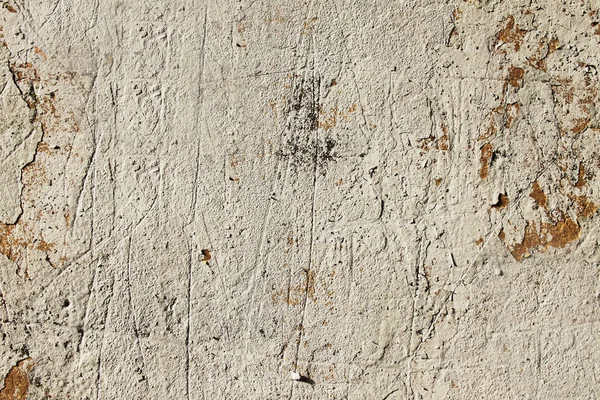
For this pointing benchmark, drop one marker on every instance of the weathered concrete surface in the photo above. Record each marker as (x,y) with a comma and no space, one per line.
(394,199)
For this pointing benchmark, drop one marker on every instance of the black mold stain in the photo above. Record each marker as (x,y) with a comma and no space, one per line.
(302,140)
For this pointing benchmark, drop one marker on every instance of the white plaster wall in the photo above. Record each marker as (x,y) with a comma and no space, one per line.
(392,199)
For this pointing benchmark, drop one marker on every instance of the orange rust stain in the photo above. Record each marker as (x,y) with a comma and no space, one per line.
(438,181)
(515,76)
(13,244)
(479,241)
(512,34)
(44,246)
(562,233)
(431,142)
(555,235)
(503,201)
(16,383)
(581,177)
(10,8)
(34,174)
(486,156)
(10,245)
(330,120)
(206,255)
(538,195)
(426,143)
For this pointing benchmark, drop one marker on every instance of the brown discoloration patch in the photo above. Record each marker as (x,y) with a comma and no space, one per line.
(443,140)
(511,112)
(438,181)
(457,14)
(556,235)
(479,241)
(329,120)
(10,8)
(511,33)
(42,217)
(295,295)
(565,89)
(502,235)
(40,53)
(581,181)
(577,103)
(490,132)
(581,125)
(309,26)
(538,195)
(502,202)
(310,285)
(34,174)
(584,207)
(544,49)
(515,76)
(16,383)
(438,143)
(206,255)
(485,159)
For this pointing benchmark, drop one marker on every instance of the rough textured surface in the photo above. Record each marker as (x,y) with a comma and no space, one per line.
(302,200)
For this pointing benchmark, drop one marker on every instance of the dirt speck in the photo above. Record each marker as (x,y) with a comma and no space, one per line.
(206,255)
